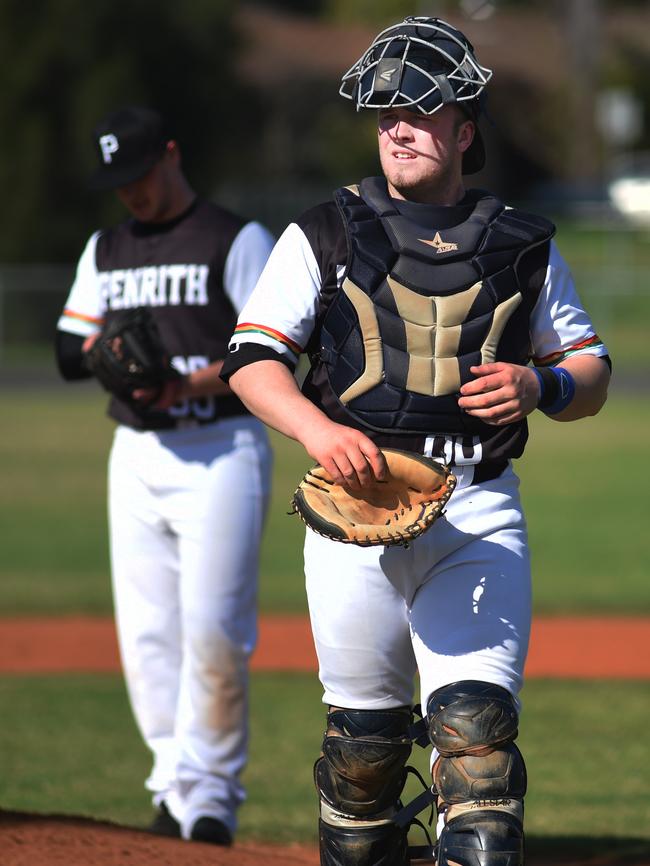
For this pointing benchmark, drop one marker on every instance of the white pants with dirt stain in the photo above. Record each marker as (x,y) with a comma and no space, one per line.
(186,511)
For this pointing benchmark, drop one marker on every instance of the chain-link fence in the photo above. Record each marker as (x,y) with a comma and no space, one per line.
(31,300)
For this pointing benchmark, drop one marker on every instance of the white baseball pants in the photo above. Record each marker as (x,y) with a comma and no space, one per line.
(454,605)
(186,510)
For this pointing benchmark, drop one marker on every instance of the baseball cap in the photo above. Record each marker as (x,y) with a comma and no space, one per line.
(474,156)
(129,142)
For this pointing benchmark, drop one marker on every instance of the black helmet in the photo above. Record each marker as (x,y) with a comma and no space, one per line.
(421,64)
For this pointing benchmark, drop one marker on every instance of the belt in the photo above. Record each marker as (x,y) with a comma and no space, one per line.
(470,474)
(191,423)
(170,423)
(229,406)
(488,471)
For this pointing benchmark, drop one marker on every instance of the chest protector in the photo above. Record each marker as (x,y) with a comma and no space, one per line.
(418,307)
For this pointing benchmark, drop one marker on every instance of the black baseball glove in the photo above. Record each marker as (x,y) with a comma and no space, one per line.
(129,355)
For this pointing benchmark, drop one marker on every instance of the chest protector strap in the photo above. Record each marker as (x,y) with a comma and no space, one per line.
(418,307)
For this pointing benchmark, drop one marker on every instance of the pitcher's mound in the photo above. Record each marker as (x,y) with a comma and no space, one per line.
(57,840)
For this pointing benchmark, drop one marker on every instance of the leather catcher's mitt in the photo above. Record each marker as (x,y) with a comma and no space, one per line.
(393,511)
(129,354)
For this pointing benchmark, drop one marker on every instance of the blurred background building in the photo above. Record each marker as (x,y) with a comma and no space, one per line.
(252,90)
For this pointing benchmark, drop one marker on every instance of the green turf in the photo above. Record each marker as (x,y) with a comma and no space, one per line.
(611,269)
(69,745)
(585,488)
(53,451)
(585,752)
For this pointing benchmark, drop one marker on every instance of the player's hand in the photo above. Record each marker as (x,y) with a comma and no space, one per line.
(350,457)
(501,393)
(173,391)
(89,342)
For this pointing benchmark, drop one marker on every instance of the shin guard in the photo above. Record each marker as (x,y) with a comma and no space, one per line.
(479,776)
(359,778)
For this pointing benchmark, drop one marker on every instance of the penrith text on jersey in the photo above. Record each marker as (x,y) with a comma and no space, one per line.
(154,286)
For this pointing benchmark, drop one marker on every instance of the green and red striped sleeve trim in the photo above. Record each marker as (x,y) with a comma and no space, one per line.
(92,319)
(253,328)
(556,357)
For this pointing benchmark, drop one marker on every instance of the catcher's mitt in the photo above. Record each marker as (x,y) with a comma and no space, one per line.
(129,354)
(393,511)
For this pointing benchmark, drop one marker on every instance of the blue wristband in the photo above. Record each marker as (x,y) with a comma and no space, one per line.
(557,389)
(542,385)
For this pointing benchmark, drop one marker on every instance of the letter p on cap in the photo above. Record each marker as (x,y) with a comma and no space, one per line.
(109,145)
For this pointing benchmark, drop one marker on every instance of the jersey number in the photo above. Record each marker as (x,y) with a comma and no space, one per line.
(198,407)
(454,450)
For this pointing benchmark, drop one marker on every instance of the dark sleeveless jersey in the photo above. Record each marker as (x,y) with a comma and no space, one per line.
(176,270)
(425,293)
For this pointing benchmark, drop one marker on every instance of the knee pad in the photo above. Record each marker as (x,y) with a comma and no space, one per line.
(471,717)
(361,771)
(359,778)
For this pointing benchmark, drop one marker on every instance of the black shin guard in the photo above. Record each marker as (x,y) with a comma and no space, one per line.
(482,839)
(359,778)
(362,845)
(480,776)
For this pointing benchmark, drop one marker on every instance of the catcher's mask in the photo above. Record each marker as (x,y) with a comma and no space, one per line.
(421,65)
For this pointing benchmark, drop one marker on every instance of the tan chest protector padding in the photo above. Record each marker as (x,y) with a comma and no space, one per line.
(433,327)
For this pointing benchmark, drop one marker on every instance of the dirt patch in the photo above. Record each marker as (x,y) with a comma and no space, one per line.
(50,840)
(582,648)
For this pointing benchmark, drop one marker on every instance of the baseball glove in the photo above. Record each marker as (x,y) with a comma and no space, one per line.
(393,511)
(129,354)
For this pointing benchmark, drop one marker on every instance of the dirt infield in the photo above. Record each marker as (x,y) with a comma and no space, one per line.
(58,840)
(581,648)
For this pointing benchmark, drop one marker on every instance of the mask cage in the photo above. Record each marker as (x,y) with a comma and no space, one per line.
(457,81)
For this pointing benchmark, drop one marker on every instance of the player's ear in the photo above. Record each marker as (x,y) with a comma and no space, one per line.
(465,135)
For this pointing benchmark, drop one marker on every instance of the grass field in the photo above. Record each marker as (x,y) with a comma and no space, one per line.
(585,486)
(584,764)
(68,744)
(611,266)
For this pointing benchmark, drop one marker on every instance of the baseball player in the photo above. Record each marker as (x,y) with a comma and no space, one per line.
(421,305)
(186,471)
